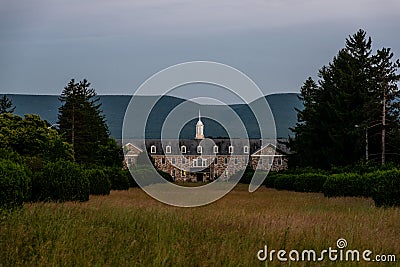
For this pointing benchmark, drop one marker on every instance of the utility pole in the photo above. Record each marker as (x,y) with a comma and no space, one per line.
(383,124)
(366,144)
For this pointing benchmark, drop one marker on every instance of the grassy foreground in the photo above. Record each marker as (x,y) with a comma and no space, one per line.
(128,228)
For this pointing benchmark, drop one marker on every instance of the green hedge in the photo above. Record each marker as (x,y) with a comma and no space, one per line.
(309,182)
(99,183)
(387,188)
(119,180)
(284,181)
(60,181)
(166,176)
(148,176)
(269,180)
(347,185)
(15,184)
(128,175)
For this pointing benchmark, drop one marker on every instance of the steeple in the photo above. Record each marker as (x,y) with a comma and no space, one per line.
(199,129)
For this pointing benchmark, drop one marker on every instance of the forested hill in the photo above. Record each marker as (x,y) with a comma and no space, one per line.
(114,106)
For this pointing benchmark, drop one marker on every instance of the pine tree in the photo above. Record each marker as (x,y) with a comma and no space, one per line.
(81,121)
(346,102)
(385,79)
(6,105)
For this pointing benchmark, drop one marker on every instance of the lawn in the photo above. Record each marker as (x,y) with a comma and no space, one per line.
(128,228)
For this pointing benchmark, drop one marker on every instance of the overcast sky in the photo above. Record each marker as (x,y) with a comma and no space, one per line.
(118,44)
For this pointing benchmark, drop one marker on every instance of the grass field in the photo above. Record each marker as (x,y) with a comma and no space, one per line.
(128,228)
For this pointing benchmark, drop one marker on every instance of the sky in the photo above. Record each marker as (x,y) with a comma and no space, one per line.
(118,44)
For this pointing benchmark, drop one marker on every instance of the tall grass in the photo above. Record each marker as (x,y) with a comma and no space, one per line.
(128,228)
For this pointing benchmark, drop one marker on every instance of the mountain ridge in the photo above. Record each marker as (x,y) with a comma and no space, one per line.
(282,105)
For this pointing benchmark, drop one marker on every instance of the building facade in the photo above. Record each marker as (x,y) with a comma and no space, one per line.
(203,159)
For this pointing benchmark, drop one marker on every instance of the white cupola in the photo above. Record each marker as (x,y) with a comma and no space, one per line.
(199,129)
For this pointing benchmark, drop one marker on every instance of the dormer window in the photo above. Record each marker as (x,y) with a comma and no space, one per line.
(153,149)
(230,149)
(183,149)
(215,149)
(199,149)
(168,149)
(246,150)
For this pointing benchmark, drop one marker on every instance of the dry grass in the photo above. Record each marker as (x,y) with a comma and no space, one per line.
(128,228)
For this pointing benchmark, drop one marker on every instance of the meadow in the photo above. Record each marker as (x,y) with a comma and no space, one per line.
(128,228)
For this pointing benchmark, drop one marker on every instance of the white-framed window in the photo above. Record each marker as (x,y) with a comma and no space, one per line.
(195,163)
(153,149)
(183,160)
(236,161)
(199,149)
(246,150)
(226,160)
(183,149)
(230,149)
(173,161)
(204,162)
(163,160)
(168,149)
(215,160)
(215,149)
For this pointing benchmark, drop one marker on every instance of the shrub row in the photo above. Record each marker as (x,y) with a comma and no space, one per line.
(33,179)
(148,176)
(14,184)
(348,185)
(387,188)
(60,181)
(382,185)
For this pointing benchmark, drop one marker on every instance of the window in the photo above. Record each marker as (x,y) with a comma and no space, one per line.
(153,149)
(226,160)
(236,161)
(279,161)
(204,162)
(168,149)
(260,161)
(215,149)
(163,160)
(246,150)
(173,160)
(183,149)
(270,160)
(215,160)
(199,149)
(230,149)
(183,160)
(195,163)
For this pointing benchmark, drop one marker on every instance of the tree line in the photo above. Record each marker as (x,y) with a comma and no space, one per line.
(39,162)
(351,113)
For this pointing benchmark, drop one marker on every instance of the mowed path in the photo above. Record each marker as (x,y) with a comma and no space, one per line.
(129,228)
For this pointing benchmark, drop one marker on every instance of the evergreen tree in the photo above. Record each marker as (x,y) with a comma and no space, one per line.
(81,121)
(346,102)
(6,105)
